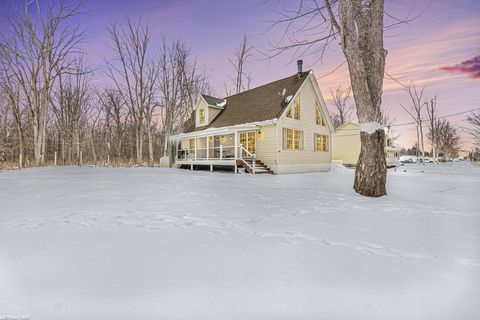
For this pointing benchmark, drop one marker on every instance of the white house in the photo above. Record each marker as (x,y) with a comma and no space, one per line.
(279,127)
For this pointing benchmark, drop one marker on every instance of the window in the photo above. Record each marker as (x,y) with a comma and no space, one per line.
(192,144)
(320,118)
(201,116)
(292,139)
(296,108)
(321,142)
(289,113)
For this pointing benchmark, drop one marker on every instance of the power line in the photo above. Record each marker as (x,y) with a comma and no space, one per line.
(426,120)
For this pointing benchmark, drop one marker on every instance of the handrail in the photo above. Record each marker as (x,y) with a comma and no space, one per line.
(251,155)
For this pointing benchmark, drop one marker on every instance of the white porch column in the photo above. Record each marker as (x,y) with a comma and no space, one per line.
(195,150)
(236,145)
(208,142)
(177,142)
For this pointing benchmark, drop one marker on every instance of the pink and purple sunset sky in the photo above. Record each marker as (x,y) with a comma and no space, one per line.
(440,49)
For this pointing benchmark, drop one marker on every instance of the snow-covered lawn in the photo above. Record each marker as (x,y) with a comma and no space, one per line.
(150,243)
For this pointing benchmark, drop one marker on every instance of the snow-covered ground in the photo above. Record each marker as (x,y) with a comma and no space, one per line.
(150,243)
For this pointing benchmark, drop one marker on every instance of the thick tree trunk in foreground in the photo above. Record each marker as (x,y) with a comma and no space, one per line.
(361,29)
(371,172)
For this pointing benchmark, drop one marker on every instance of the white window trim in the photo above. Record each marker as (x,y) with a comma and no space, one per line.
(284,140)
(327,139)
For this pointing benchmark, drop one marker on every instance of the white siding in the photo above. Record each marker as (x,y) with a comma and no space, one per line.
(308,159)
(265,148)
(210,113)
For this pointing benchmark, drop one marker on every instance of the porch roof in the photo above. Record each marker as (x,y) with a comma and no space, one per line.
(224,130)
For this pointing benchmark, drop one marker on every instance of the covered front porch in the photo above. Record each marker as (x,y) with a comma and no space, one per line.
(219,147)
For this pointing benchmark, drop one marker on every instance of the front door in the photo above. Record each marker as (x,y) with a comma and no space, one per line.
(247,139)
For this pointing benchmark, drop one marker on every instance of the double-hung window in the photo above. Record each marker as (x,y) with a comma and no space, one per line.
(292,139)
(201,116)
(320,142)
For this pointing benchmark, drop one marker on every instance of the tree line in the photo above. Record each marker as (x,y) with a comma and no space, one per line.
(53,111)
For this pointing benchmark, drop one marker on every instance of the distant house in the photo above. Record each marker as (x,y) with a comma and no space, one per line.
(346,145)
(279,127)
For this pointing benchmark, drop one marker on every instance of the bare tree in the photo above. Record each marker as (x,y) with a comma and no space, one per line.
(134,73)
(343,109)
(474,121)
(181,83)
(116,120)
(11,92)
(241,80)
(359,27)
(70,107)
(37,53)
(415,111)
(448,139)
(433,126)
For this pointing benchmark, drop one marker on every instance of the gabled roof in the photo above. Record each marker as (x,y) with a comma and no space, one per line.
(266,102)
(347,124)
(212,101)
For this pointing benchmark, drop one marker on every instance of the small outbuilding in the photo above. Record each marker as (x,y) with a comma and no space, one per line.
(346,145)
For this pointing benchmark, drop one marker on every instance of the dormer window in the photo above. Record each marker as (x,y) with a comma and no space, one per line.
(201,116)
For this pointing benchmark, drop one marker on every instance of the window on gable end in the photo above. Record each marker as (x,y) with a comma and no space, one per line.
(289,113)
(320,119)
(296,108)
(201,116)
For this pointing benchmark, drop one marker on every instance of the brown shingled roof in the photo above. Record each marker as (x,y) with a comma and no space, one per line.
(258,104)
(211,100)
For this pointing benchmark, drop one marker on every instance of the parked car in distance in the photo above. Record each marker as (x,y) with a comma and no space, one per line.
(408,159)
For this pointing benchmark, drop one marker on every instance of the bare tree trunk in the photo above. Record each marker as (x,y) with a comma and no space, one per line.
(369,163)
(423,146)
(150,145)
(417,151)
(94,154)
(242,54)
(362,43)
(21,143)
(139,143)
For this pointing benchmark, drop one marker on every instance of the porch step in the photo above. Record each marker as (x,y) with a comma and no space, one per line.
(260,167)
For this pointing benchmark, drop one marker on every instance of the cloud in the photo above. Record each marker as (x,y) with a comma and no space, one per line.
(470,67)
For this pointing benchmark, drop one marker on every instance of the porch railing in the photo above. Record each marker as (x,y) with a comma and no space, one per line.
(219,153)
(212,153)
